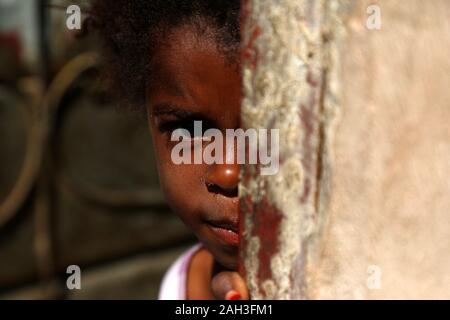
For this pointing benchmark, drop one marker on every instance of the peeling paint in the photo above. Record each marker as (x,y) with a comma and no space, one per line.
(284,63)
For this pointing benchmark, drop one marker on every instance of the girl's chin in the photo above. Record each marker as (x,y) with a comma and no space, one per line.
(227,258)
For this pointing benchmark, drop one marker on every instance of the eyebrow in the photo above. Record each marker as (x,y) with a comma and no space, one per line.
(163,109)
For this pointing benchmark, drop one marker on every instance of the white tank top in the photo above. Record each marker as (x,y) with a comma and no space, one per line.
(174,283)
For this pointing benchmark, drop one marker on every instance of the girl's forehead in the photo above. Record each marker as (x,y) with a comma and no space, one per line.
(190,65)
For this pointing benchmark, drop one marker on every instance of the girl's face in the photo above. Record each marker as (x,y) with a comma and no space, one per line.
(192,80)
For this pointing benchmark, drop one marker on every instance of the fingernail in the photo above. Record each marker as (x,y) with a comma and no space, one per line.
(233,295)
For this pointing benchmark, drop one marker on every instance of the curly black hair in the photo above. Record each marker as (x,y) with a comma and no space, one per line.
(130,29)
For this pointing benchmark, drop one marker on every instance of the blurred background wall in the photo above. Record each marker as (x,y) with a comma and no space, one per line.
(78,183)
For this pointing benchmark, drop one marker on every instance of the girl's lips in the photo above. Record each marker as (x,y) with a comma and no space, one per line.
(225,232)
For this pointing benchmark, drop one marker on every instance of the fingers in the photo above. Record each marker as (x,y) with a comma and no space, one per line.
(229,285)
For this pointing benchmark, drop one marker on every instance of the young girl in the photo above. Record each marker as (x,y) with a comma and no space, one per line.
(179,61)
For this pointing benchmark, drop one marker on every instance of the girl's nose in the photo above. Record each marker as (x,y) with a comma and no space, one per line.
(223,178)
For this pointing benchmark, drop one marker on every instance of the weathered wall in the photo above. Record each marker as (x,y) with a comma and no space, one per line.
(390,157)
(375,221)
(281,79)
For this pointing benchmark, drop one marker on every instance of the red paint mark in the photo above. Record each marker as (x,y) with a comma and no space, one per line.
(310,125)
(306,190)
(245,207)
(311,80)
(266,227)
(249,52)
(307,118)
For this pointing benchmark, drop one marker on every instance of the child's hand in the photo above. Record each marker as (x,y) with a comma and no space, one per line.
(229,285)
